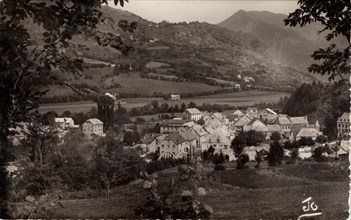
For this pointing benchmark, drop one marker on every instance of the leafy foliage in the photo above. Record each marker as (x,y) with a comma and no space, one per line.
(175,200)
(306,141)
(323,102)
(275,136)
(335,16)
(113,164)
(238,144)
(258,159)
(320,154)
(26,64)
(131,137)
(218,160)
(321,139)
(276,154)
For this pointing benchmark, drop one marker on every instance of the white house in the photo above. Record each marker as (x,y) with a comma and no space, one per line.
(174,146)
(192,114)
(64,123)
(174,97)
(93,126)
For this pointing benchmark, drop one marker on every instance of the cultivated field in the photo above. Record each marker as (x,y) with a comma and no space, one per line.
(232,99)
(265,193)
(135,84)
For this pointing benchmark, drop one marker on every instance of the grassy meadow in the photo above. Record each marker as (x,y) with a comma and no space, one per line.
(233,99)
(264,193)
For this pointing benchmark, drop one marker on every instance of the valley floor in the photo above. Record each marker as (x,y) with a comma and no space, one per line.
(265,193)
(242,98)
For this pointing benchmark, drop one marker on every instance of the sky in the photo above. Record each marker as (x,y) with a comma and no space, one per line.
(211,11)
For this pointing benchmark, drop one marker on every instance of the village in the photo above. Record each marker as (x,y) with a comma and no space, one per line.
(193,132)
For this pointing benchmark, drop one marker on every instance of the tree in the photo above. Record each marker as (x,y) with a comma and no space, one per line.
(275,136)
(320,154)
(276,154)
(131,137)
(218,160)
(254,138)
(201,121)
(40,141)
(182,107)
(306,141)
(39,174)
(66,114)
(192,104)
(294,154)
(258,159)
(26,63)
(72,161)
(155,104)
(335,16)
(105,112)
(114,165)
(208,154)
(176,108)
(238,144)
(292,145)
(321,139)
(49,118)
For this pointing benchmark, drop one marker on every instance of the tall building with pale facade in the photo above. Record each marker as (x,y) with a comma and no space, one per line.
(343,126)
(93,127)
(192,114)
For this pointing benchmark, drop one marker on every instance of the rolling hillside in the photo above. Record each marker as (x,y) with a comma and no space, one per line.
(291,46)
(197,52)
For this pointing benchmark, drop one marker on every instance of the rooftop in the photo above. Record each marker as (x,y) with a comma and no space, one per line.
(95,121)
(299,120)
(308,132)
(199,130)
(193,110)
(273,128)
(188,135)
(175,137)
(176,122)
(283,120)
(218,137)
(345,117)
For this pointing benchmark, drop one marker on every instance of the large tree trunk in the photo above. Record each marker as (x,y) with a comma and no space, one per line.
(4,143)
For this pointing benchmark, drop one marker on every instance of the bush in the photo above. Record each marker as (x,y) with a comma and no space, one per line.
(243,158)
(318,154)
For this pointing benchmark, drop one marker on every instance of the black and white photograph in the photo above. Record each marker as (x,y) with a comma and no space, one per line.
(175,109)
